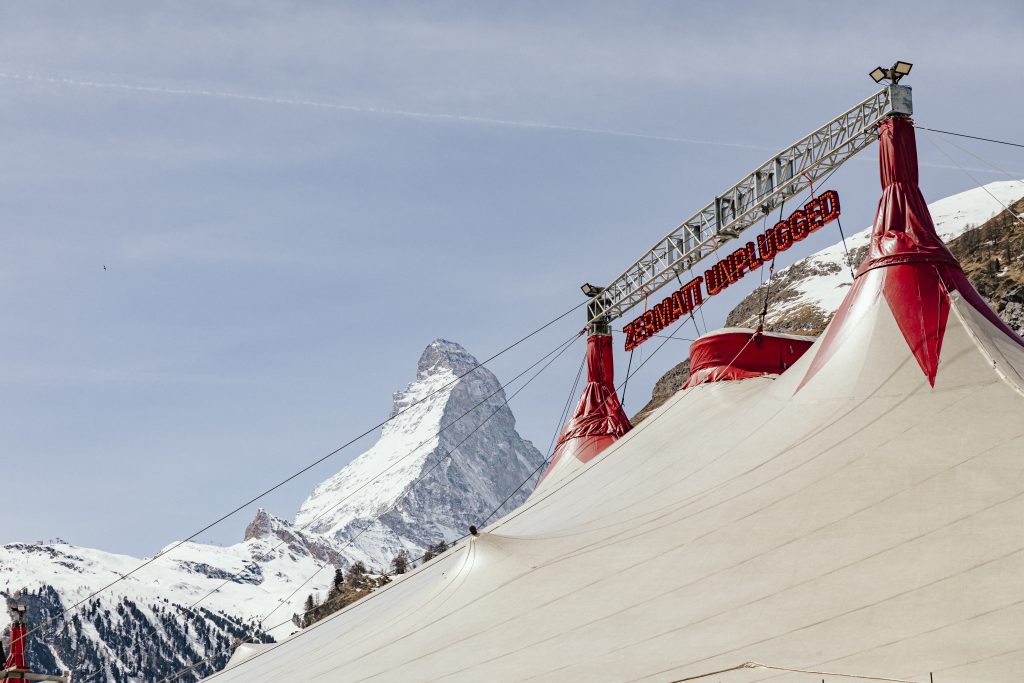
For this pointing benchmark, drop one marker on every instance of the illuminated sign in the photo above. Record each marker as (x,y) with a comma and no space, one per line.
(815,215)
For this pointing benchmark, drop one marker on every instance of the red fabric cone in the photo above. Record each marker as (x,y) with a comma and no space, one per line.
(599,419)
(908,263)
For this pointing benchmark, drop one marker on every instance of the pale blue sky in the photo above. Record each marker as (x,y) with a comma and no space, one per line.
(293,199)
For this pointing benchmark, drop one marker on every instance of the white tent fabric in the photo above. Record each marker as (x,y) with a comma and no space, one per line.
(865,524)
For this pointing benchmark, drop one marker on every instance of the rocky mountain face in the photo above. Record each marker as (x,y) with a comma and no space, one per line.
(449,457)
(983,227)
(441,464)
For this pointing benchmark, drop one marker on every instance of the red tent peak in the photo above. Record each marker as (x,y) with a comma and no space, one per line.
(907,262)
(599,419)
(903,231)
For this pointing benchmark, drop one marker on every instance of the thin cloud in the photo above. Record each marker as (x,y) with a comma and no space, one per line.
(337,106)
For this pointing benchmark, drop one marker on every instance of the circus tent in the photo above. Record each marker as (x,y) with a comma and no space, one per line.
(859,513)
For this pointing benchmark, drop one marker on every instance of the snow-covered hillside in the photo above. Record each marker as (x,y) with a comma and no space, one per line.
(805,295)
(246,580)
(411,489)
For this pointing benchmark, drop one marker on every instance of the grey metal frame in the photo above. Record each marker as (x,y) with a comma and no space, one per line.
(744,204)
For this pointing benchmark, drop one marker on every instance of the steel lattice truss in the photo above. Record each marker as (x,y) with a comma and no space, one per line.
(744,204)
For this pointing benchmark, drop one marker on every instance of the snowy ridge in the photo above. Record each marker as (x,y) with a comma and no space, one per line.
(264,574)
(102,637)
(814,287)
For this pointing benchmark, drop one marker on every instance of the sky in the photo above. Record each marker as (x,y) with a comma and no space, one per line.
(228,229)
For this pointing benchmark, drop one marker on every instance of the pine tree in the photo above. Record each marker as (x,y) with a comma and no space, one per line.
(400,564)
(434,550)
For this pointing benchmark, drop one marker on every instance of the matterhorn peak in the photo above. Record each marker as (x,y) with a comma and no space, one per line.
(449,455)
(441,355)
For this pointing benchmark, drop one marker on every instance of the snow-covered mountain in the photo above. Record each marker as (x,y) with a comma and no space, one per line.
(443,464)
(413,488)
(805,295)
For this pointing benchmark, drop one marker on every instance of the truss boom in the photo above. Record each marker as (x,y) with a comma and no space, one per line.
(744,204)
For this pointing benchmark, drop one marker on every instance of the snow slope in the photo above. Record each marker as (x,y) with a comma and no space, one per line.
(810,290)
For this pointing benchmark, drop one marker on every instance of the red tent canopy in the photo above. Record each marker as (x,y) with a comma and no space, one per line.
(16,657)
(599,419)
(739,353)
(908,263)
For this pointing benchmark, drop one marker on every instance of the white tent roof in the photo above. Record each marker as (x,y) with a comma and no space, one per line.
(844,516)
(865,524)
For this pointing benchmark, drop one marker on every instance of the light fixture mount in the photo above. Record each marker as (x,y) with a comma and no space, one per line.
(893,74)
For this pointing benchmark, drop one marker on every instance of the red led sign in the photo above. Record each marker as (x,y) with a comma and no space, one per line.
(815,215)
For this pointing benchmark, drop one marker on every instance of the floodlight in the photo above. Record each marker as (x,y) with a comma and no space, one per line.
(591,290)
(902,68)
(878,74)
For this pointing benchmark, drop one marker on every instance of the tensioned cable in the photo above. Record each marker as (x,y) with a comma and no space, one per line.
(771,270)
(1013,215)
(849,262)
(509,496)
(972,137)
(662,336)
(628,366)
(771,275)
(764,228)
(985,161)
(519,511)
(565,411)
(758,665)
(564,345)
(551,446)
(239,508)
(696,328)
(562,348)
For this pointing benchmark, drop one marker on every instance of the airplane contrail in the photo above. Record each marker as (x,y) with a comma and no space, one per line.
(405,113)
(437,116)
